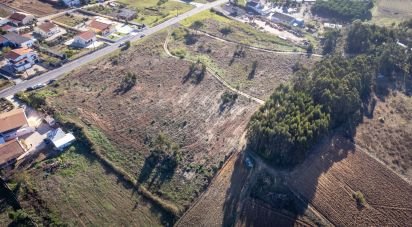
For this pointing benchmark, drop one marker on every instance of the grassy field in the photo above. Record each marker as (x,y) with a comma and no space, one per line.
(226,28)
(71,20)
(81,191)
(386,12)
(150,13)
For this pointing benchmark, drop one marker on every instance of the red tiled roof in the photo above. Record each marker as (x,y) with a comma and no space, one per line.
(12,119)
(98,25)
(10,150)
(87,35)
(47,26)
(13,54)
(17,16)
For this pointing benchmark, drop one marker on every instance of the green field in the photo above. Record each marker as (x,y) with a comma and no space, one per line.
(214,24)
(151,14)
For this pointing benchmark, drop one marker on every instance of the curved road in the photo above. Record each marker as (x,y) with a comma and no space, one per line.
(66,68)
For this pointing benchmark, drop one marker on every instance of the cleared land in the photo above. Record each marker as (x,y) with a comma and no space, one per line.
(386,12)
(124,125)
(36,7)
(336,170)
(254,72)
(388,135)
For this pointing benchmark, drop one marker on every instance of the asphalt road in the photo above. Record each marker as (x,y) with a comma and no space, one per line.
(67,68)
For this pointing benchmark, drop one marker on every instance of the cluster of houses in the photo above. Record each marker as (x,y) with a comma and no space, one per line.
(14,126)
(22,57)
(262,7)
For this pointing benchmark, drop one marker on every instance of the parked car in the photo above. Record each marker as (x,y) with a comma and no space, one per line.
(142,35)
(37,86)
(51,81)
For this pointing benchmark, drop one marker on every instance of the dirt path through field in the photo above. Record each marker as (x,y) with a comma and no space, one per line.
(220,79)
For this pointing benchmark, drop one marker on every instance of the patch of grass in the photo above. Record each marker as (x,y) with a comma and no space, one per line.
(239,32)
(150,13)
(5,83)
(387,12)
(69,20)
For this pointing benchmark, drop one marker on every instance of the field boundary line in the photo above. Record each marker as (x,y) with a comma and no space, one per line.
(257,48)
(220,79)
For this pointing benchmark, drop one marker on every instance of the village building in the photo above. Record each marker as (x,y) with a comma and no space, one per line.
(8,28)
(255,6)
(126,14)
(20,19)
(15,40)
(71,3)
(101,28)
(84,39)
(21,59)
(282,18)
(9,152)
(59,139)
(13,124)
(47,29)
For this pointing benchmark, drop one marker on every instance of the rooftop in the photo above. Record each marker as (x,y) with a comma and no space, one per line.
(10,150)
(86,35)
(98,25)
(15,38)
(47,26)
(12,119)
(13,54)
(17,16)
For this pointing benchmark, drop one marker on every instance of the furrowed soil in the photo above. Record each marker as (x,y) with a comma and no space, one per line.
(36,7)
(336,170)
(255,72)
(388,135)
(124,124)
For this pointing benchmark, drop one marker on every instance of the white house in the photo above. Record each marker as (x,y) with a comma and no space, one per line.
(46,29)
(21,59)
(71,3)
(60,139)
(84,39)
(19,19)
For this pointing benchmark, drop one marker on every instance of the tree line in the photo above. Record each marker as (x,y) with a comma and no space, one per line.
(333,94)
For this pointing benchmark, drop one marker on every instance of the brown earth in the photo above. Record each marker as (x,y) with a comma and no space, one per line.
(336,170)
(35,7)
(189,114)
(271,69)
(388,135)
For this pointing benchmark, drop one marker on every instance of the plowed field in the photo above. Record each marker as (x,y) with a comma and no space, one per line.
(336,170)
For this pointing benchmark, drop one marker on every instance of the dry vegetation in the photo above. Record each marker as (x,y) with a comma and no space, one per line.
(386,12)
(336,171)
(388,135)
(254,72)
(126,122)
(36,7)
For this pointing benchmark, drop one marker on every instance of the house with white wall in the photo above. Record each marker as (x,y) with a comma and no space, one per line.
(21,59)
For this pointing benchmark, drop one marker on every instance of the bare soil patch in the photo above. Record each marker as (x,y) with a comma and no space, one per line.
(36,7)
(126,123)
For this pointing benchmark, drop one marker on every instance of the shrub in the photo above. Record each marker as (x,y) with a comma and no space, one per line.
(360,199)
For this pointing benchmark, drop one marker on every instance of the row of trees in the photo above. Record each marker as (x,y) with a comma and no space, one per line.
(346,10)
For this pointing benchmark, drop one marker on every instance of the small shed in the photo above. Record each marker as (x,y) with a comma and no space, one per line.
(59,139)
(50,121)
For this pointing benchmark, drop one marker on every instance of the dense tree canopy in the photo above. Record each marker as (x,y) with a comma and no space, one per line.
(347,10)
(286,126)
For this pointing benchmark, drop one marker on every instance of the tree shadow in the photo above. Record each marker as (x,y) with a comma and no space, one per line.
(287,196)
